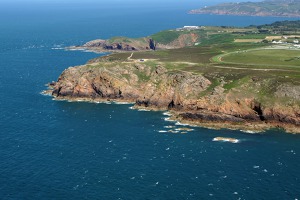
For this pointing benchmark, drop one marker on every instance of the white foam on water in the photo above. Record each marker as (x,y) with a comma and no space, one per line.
(121,102)
(167,114)
(180,124)
(251,131)
(162,131)
(144,110)
(169,119)
(184,129)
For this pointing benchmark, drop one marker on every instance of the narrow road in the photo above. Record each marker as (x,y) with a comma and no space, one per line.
(129,58)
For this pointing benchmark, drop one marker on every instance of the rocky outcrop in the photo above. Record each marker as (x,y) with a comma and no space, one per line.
(152,44)
(106,45)
(120,44)
(187,95)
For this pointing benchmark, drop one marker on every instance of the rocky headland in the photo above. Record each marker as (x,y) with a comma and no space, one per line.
(190,97)
(200,74)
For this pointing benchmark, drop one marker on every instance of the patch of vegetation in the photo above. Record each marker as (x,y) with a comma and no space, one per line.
(210,89)
(282,27)
(217,39)
(119,40)
(142,76)
(166,37)
(236,83)
(251,36)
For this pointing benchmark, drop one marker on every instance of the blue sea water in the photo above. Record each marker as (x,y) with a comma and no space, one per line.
(61,150)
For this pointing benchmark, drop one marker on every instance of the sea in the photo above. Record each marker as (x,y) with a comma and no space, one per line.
(77,150)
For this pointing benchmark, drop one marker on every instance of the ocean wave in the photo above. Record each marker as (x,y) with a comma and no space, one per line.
(167,114)
(143,110)
(33,47)
(168,126)
(251,131)
(169,119)
(45,93)
(184,129)
(83,50)
(181,124)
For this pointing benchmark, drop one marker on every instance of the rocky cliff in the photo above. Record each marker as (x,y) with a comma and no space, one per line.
(191,97)
(120,44)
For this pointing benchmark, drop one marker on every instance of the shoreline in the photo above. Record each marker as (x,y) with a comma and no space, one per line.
(253,127)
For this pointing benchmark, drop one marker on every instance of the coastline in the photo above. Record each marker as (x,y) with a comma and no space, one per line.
(250,127)
(204,95)
(240,14)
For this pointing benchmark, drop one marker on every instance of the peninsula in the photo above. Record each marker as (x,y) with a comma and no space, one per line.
(278,8)
(221,77)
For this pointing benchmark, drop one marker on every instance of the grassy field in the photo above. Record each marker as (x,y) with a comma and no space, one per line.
(265,57)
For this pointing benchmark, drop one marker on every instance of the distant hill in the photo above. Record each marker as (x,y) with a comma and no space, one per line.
(280,8)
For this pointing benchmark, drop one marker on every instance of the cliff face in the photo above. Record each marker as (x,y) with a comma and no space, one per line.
(191,97)
(147,86)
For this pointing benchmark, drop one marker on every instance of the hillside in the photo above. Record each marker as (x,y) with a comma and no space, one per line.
(280,8)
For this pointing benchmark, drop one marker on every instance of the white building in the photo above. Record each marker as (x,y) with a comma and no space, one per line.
(189,28)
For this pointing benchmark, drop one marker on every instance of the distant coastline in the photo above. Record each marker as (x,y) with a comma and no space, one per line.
(276,8)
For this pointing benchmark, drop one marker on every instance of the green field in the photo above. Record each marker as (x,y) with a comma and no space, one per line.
(264,57)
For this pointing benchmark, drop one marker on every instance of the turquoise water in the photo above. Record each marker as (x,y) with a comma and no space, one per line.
(61,150)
